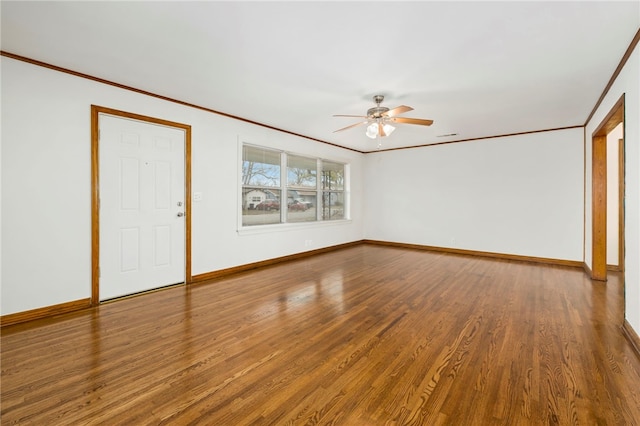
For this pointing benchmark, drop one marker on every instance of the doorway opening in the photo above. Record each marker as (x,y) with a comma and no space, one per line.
(615,199)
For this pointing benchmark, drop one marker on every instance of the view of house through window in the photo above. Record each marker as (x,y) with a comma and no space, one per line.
(260,186)
(302,189)
(284,188)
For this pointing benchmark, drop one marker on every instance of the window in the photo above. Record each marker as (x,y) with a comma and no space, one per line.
(260,186)
(302,189)
(332,191)
(278,187)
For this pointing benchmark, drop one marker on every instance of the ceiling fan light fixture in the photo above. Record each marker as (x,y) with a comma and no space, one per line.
(372,130)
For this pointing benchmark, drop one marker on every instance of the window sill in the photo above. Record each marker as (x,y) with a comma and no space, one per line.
(283,227)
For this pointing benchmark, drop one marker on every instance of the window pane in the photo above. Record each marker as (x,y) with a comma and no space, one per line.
(260,167)
(332,176)
(301,172)
(260,206)
(299,210)
(332,205)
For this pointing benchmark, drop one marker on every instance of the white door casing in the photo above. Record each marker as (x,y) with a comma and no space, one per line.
(141,207)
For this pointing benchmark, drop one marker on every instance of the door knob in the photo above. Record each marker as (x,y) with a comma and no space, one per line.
(180,214)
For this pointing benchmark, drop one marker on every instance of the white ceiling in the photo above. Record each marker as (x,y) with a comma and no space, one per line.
(477,69)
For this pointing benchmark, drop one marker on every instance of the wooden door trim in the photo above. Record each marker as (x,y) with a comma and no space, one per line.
(95,190)
(599,190)
(599,208)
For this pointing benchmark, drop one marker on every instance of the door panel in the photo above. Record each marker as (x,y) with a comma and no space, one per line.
(142,185)
(129,249)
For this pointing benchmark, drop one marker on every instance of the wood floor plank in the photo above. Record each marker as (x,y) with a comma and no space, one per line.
(367,335)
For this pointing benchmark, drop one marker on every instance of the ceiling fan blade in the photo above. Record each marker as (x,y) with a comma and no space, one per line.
(381,132)
(406,120)
(346,115)
(349,127)
(397,110)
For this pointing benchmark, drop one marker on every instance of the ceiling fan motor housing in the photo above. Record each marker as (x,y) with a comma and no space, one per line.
(377,111)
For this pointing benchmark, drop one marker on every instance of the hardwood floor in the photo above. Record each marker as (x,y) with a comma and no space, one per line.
(367,335)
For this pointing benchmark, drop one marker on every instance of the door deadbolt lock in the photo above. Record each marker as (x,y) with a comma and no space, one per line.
(180,214)
(179,203)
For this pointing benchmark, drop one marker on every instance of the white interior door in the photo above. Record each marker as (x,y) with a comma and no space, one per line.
(142,195)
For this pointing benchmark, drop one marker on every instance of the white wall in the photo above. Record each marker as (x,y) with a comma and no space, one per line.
(46,172)
(518,195)
(628,84)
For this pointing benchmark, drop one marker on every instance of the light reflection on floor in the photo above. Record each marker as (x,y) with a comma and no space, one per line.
(328,291)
